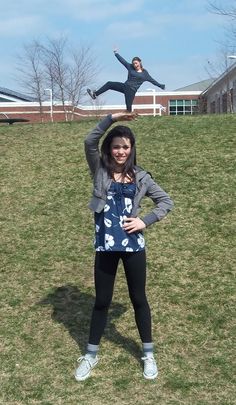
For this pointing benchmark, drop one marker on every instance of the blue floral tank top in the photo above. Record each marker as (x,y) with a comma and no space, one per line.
(109,234)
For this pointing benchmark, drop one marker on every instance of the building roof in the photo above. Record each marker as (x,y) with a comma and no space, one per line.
(199,86)
(14,95)
(227,72)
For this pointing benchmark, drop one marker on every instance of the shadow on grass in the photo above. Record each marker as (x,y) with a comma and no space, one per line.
(73,308)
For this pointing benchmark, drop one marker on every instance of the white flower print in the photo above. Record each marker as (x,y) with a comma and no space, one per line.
(122,219)
(129,249)
(97,228)
(125,242)
(141,240)
(109,241)
(107,222)
(100,249)
(110,197)
(128,205)
(106,208)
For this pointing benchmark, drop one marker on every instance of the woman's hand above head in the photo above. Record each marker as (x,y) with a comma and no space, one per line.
(115,49)
(133,225)
(124,116)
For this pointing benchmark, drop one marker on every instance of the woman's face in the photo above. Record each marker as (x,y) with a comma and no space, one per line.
(137,65)
(120,150)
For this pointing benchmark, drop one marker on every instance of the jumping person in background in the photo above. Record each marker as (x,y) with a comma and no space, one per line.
(137,75)
(119,186)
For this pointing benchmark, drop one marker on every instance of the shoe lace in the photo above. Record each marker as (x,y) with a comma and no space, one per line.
(84,358)
(149,362)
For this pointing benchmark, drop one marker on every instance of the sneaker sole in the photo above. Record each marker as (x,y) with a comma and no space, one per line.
(83,378)
(150,377)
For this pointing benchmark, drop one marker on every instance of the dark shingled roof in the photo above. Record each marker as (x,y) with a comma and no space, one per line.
(15,94)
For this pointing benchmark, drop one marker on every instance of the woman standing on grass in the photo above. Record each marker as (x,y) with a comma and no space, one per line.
(137,75)
(119,186)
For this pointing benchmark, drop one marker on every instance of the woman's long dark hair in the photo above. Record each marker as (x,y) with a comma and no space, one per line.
(139,60)
(107,160)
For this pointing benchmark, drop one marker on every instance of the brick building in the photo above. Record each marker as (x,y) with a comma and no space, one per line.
(185,101)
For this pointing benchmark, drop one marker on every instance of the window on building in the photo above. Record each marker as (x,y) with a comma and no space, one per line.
(224,103)
(213,107)
(182,107)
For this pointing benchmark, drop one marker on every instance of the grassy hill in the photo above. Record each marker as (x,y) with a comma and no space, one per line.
(47,268)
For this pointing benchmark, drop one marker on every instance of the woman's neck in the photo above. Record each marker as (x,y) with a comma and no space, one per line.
(120,178)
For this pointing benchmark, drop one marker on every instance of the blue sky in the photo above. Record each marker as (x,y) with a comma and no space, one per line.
(174,38)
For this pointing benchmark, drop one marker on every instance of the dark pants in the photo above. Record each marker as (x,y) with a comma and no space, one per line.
(106,264)
(121,88)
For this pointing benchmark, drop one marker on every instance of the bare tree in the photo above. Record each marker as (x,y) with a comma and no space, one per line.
(80,73)
(221,63)
(55,52)
(229,11)
(66,71)
(30,69)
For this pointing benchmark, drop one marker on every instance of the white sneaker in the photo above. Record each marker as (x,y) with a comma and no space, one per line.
(86,364)
(150,368)
(92,94)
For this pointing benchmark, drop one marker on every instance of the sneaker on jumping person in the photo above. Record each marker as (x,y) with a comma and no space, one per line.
(150,368)
(92,94)
(86,364)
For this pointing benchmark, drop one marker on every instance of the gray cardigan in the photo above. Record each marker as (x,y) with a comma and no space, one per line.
(145,185)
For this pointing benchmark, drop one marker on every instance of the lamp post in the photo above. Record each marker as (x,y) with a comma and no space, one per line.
(228,89)
(51,103)
(153,100)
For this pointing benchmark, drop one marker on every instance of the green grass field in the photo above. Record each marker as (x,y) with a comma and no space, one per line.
(47,268)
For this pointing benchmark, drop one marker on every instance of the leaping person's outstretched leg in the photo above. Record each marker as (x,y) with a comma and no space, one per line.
(116,86)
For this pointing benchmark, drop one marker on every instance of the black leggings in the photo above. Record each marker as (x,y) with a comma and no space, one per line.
(121,88)
(106,264)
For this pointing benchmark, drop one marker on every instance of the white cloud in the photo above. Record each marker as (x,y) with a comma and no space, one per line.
(20,26)
(95,10)
(159,25)
(192,21)
(134,29)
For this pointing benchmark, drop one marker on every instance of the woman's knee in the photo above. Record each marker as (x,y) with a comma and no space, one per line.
(139,301)
(102,304)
